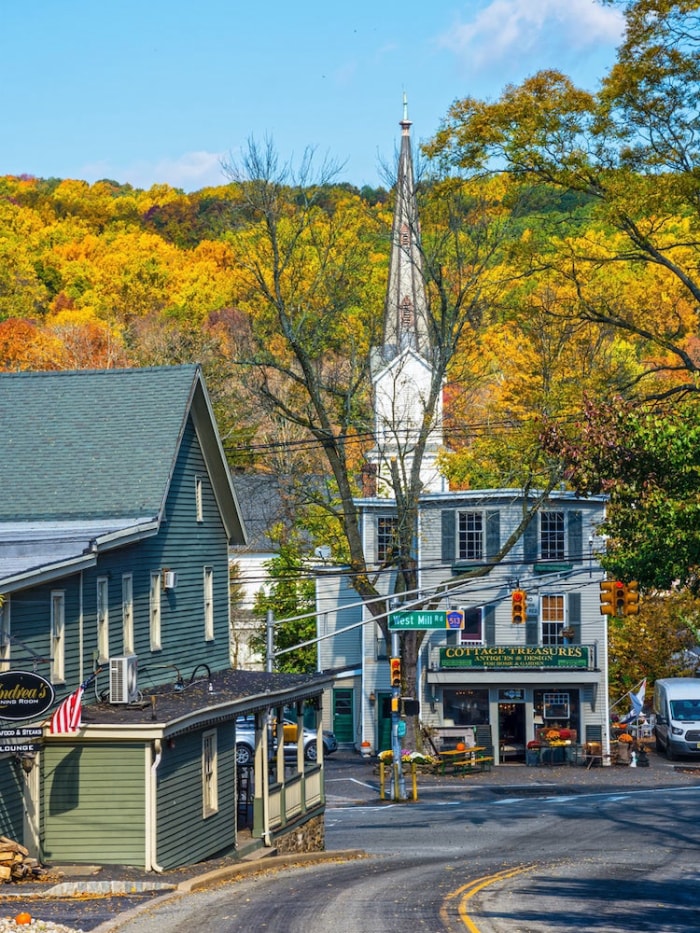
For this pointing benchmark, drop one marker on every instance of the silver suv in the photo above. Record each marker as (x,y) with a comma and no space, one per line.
(245,741)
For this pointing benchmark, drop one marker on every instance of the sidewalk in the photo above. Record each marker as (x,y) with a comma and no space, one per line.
(89,897)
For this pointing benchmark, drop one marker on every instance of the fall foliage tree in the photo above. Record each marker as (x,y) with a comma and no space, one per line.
(659,642)
(648,461)
(631,150)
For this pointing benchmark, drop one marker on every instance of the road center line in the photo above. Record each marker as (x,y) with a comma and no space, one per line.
(468,890)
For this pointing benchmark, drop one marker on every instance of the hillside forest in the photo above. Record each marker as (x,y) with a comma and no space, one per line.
(560,234)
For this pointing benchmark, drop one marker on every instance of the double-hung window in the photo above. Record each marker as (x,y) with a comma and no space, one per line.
(387,527)
(58,628)
(208,604)
(552,539)
(128,613)
(553,619)
(103,617)
(470,535)
(154,604)
(198,499)
(5,639)
(210,790)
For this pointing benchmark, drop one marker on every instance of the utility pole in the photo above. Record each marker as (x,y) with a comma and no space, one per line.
(398,781)
(269,641)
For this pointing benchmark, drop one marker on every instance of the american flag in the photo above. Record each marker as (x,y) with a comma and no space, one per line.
(66,718)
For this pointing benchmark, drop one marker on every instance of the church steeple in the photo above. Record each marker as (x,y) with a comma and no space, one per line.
(405,309)
(402,368)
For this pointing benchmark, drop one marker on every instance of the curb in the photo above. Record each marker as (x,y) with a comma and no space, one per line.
(267,863)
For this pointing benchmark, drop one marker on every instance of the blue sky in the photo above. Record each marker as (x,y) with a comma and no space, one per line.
(160,91)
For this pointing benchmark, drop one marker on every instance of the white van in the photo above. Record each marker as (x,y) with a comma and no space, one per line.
(677,709)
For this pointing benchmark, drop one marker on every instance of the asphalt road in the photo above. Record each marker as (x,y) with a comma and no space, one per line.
(607,862)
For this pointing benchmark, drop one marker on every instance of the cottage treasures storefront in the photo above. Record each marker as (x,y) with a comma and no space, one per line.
(511,697)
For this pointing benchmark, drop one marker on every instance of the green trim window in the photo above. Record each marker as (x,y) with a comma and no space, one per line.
(58,631)
(198,500)
(5,640)
(154,610)
(128,613)
(103,618)
(210,789)
(208,604)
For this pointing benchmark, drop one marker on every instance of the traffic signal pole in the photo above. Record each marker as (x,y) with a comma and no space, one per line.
(398,781)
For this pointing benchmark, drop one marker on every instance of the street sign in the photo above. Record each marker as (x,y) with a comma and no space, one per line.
(427,619)
(24,732)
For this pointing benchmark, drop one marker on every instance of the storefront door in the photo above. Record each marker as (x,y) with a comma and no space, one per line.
(511,731)
(343,715)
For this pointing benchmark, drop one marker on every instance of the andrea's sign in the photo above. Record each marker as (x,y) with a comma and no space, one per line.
(509,657)
(24,695)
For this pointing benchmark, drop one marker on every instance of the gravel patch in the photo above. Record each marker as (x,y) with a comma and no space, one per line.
(8,925)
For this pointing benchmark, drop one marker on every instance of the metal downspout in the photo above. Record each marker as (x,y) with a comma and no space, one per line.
(152,809)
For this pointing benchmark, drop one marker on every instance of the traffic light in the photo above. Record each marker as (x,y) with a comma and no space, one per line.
(631,598)
(518,606)
(608,591)
(395,671)
(619,596)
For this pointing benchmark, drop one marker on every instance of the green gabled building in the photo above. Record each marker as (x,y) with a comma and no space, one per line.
(116,517)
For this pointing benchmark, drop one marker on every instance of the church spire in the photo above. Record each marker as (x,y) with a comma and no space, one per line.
(405,309)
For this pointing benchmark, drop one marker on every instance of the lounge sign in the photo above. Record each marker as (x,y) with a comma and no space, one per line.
(24,695)
(510,657)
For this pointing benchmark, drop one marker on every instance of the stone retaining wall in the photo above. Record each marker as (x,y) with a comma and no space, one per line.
(305,837)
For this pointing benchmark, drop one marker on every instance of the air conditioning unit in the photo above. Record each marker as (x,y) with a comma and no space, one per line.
(123,679)
(170,579)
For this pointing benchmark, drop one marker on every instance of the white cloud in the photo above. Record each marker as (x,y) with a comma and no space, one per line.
(543,32)
(191,171)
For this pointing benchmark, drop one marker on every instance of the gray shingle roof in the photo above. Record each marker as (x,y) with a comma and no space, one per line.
(90,444)
(89,455)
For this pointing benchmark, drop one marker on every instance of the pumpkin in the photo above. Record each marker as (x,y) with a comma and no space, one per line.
(461,746)
(23,918)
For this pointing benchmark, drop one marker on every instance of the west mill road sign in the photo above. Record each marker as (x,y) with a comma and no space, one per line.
(451,619)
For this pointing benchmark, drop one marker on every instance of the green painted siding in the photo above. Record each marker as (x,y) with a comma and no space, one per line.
(31,622)
(184,835)
(94,803)
(11,800)
(186,547)
(183,545)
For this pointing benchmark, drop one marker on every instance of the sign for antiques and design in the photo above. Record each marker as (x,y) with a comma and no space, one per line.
(508,657)
(24,695)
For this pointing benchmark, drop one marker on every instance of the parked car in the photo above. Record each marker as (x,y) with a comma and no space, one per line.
(677,710)
(330,743)
(245,741)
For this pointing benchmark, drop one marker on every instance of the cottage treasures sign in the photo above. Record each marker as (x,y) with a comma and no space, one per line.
(24,695)
(509,657)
